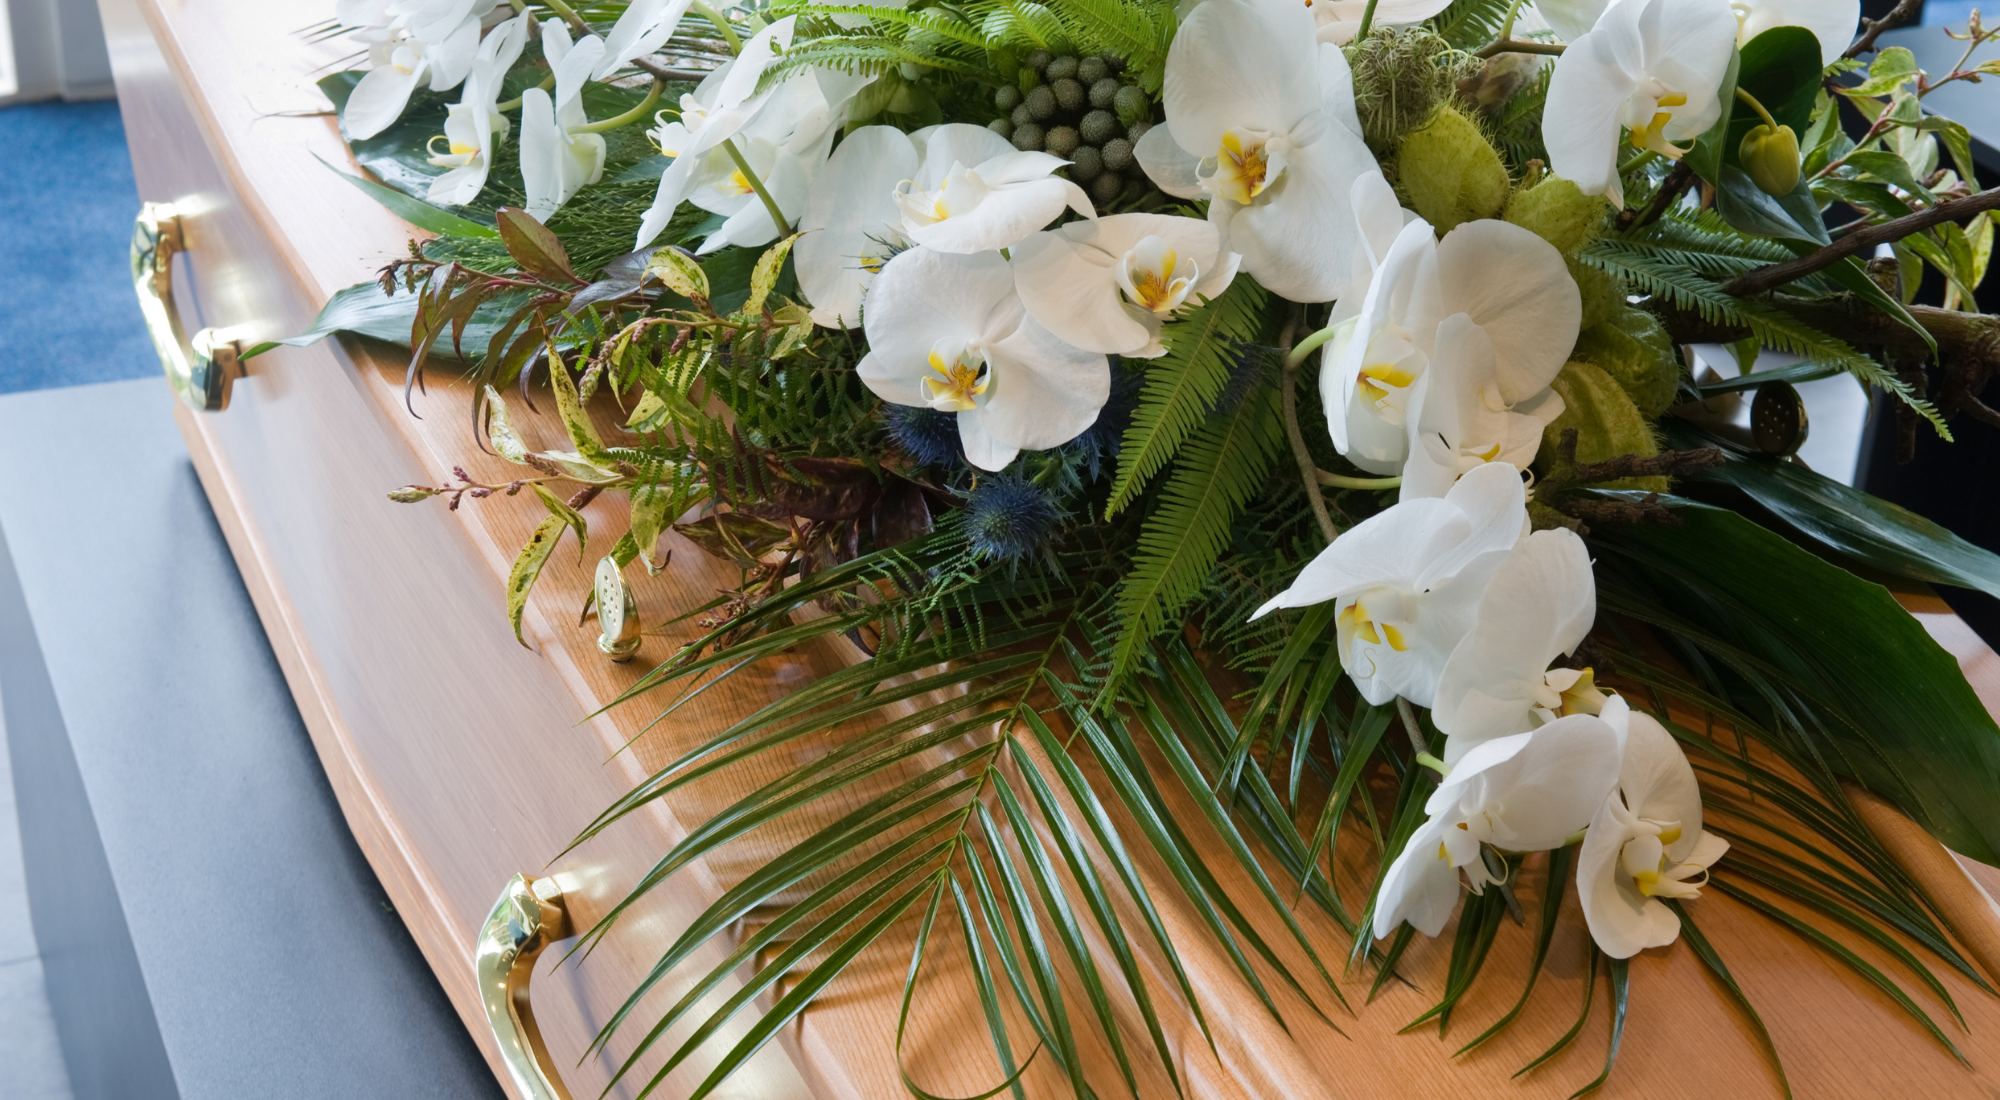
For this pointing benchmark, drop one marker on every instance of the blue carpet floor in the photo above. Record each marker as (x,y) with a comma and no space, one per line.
(67,314)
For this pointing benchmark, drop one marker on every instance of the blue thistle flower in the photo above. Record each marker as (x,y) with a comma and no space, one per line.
(1009,517)
(925,434)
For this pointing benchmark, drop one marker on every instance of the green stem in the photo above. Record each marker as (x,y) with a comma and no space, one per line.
(1433,763)
(1410,726)
(1507,28)
(1297,439)
(568,14)
(709,13)
(757,185)
(1636,161)
(547,83)
(1367,21)
(635,114)
(1757,107)
(1310,344)
(1342,481)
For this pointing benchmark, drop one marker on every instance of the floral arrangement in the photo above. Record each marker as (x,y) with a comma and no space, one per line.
(1283,409)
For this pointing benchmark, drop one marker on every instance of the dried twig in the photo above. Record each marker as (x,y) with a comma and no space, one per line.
(1671,189)
(1873,28)
(1772,276)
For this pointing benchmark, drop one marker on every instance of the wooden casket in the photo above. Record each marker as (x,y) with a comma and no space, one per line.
(462,759)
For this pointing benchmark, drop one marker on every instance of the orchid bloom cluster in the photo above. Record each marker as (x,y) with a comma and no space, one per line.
(1453,604)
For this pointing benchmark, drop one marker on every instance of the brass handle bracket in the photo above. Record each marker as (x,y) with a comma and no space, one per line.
(198,369)
(527,918)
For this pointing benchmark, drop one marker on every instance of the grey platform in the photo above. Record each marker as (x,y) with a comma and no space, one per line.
(207,926)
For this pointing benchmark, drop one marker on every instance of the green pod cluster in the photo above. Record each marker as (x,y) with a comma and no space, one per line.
(1450,172)
(1635,350)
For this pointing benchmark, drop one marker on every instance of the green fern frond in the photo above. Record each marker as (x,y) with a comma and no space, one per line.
(1020,23)
(1517,125)
(1687,287)
(1470,24)
(1214,477)
(867,55)
(1137,30)
(941,21)
(1182,385)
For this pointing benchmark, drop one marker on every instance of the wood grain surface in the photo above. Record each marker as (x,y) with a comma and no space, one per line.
(460,757)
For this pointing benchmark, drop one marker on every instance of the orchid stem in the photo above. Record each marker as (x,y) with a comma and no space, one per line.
(1367,21)
(1290,384)
(709,13)
(1757,107)
(629,117)
(757,185)
(1433,763)
(568,14)
(1507,28)
(1309,345)
(1410,727)
(514,104)
(1342,481)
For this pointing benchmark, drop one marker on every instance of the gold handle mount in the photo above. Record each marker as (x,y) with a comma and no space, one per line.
(528,917)
(198,369)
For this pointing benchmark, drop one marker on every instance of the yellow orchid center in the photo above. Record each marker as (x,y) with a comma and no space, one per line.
(1155,277)
(1654,873)
(1650,133)
(1567,691)
(737,183)
(958,378)
(1379,616)
(1380,380)
(1246,165)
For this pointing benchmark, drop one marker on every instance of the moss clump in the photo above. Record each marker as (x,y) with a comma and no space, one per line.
(1401,77)
(1450,173)
(1557,212)
(1607,424)
(1635,350)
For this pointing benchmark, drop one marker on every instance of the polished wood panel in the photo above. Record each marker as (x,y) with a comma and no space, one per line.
(461,758)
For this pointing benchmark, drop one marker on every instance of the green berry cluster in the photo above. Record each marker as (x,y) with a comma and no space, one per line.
(1079,108)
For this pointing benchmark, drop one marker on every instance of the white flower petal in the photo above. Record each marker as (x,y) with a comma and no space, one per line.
(1239,64)
(1658,782)
(1623,921)
(1515,286)
(1420,887)
(1833,22)
(1066,277)
(640,31)
(848,221)
(377,100)
(1170,167)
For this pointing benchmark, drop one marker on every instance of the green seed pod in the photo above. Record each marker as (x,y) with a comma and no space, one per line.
(1070,94)
(1107,186)
(1132,106)
(1036,59)
(1772,158)
(1104,92)
(1603,297)
(1060,68)
(1062,141)
(1118,155)
(1001,126)
(1022,115)
(1136,131)
(1090,70)
(1557,212)
(1634,349)
(1607,424)
(1007,98)
(1086,164)
(1450,173)
(1041,103)
(1099,127)
(1028,137)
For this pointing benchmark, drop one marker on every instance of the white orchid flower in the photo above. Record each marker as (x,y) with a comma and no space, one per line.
(1339,20)
(1408,581)
(396,67)
(785,144)
(723,103)
(1540,604)
(1462,419)
(640,31)
(1645,843)
(1524,793)
(556,160)
(947,331)
(474,126)
(1110,285)
(1652,67)
(1261,122)
(1378,220)
(1521,309)
(994,204)
(853,224)
(1833,22)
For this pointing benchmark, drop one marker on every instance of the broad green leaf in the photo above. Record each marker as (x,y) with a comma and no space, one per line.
(414,210)
(1893,711)
(1709,149)
(364,310)
(535,248)
(650,505)
(507,442)
(561,510)
(1891,69)
(575,466)
(1780,67)
(764,276)
(575,418)
(680,273)
(528,566)
(1792,217)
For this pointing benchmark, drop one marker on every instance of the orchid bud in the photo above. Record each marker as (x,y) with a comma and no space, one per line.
(1607,423)
(1772,158)
(1450,171)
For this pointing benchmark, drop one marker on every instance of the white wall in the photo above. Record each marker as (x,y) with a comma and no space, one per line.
(57,49)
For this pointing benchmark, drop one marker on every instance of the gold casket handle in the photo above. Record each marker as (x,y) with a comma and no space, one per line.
(528,917)
(198,369)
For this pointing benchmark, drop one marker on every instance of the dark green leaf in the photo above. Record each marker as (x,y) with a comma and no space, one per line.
(533,247)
